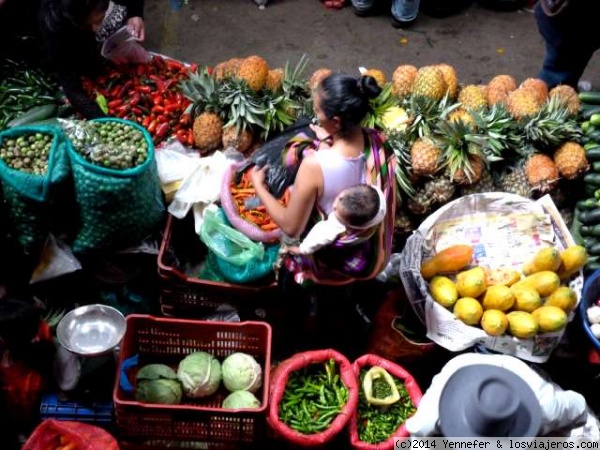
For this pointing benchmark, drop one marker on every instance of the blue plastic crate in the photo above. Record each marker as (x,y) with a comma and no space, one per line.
(591,292)
(96,413)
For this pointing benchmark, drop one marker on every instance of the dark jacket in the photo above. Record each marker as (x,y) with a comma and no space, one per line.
(72,52)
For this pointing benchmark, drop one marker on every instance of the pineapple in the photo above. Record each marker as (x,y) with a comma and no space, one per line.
(318,76)
(541,172)
(396,141)
(499,87)
(233,66)
(568,97)
(241,140)
(462,154)
(424,114)
(450,78)
(472,97)
(403,227)
(471,171)
(523,103)
(497,133)
(424,156)
(220,71)
(551,126)
(485,184)
(538,87)
(440,190)
(403,79)
(241,105)
(380,105)
(208,132)
(378,75)
(461,115)
(420,204)
(515,182)
(253,70)
(570,160)
(430,83)
(274,81)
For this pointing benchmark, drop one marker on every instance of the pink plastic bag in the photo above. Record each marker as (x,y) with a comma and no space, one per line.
(123,48)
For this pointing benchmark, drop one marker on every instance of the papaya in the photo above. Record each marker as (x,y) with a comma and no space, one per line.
(550,318)
(522,324)
(504,276)
(545,259)
(471,283)
(451,259)
(564,297)
(545,282)
(572,260)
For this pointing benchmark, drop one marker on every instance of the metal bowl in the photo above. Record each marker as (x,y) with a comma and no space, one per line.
(91,330)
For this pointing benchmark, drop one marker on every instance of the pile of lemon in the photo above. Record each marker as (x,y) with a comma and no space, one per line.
(503,300)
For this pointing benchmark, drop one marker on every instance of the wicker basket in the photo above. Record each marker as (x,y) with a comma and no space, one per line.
(185,296)
(168,341)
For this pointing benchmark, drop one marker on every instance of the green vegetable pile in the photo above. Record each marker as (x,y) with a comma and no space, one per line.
(112,145)
(22,89)
(313,398)
(28,153)
(378,423)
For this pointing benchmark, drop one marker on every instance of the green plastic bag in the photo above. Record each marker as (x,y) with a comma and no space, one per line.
(226,242)
(117,208)
(30,198)
(233,257)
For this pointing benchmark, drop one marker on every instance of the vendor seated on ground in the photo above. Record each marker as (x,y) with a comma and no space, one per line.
(72,33)
(356,210)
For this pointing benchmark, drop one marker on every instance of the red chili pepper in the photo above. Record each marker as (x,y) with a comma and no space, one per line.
(140,69)
(115,103)
(162,119)
(161,130)
(157,109)
(190,139)
(173,65)
(160,84)
(136,111)
(115,91)
(152,126)
(186,119)
(158,100)
(172,107)
(158,62)
(144,89)
(194,68)
(181,135)
(146,122)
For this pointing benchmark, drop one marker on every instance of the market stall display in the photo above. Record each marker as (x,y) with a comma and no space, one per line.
(33,166)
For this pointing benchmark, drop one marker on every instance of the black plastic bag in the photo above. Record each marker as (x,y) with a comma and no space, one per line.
(278,177)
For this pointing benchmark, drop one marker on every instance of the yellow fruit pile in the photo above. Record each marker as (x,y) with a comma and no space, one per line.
(503,300)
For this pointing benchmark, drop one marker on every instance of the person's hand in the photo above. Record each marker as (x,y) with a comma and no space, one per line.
(139,29)
(320,132)
(258,174)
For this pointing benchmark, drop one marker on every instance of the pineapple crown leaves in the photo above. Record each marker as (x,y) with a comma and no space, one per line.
(397,143)
(551,126)
(242,105)
(458,146)
(294,87)
(425,114)
(497,133)
(278,113)
(379,106)
(202,90)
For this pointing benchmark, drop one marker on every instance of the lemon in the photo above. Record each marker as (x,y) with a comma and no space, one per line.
(471,283)
(521,324)
(494,322)
(498,297)
(468,310)
(564,297)
(443,291)
(550,318)
(526,298)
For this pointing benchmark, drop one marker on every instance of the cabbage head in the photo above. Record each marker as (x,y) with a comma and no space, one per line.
(241,399)
(200,374)
(157,383)
(241,372)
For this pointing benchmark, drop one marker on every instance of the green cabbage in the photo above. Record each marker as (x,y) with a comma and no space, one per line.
(241,399)
(200,374)
(241,372)
(167,392)
(157,383)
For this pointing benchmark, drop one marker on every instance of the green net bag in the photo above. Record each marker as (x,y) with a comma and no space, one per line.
(30,197)
(117,208)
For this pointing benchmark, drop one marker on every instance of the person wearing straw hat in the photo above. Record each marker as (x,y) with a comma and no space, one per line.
(477,395)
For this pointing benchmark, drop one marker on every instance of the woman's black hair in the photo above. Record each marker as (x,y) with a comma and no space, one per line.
(75,11)
(347,97)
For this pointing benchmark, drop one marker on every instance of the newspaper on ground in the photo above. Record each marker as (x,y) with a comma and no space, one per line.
(505,230)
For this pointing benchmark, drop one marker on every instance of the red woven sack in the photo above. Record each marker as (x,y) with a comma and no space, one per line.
(413,389)
(53,434)
(279,382)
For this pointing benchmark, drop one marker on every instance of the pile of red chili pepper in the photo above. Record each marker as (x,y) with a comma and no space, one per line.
(148,94)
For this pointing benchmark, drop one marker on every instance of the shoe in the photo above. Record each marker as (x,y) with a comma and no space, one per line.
(402,23)
(362,8)
(585,86)
(404,12)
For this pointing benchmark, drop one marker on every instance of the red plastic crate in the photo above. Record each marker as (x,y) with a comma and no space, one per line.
(185,296)
(168,341)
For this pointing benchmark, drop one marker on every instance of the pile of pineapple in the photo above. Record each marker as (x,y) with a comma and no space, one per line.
(460,140)
(501,300)
(239,102)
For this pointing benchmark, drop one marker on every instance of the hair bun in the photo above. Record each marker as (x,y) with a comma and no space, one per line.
(367,85)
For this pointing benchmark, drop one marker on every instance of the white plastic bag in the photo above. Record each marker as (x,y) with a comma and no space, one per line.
(57,259)
(123,48)
(174,161)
